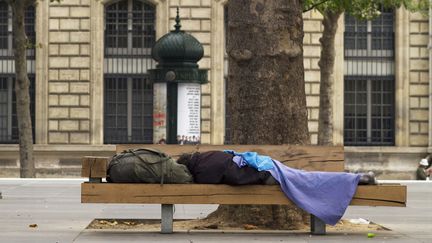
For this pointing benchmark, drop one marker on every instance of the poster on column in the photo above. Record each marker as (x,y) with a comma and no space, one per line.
(159,113)
(189,114)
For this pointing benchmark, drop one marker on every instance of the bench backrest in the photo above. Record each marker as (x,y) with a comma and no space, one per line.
(311,158)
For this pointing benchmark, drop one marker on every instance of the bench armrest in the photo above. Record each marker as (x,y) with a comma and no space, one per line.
(94,167)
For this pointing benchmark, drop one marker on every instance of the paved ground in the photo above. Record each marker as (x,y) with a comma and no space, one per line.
(54,205)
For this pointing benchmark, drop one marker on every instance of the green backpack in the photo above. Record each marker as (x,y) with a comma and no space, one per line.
(146,165)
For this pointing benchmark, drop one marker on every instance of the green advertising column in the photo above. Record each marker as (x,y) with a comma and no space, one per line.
(177,87)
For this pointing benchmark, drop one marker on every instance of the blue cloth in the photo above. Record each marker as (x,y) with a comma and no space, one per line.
(253,159)
(323,194)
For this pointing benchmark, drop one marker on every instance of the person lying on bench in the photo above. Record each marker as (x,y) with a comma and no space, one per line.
(218,167)
(323,194)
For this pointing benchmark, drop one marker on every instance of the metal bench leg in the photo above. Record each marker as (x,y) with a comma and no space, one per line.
(95,180)
(318,227)
(167,219)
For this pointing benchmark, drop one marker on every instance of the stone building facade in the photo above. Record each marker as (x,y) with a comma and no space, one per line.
(70,69)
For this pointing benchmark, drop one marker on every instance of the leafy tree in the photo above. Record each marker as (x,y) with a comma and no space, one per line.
(22,84)
(331,11)
(266,96)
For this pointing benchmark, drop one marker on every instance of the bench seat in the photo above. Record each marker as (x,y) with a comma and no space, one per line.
(366,195)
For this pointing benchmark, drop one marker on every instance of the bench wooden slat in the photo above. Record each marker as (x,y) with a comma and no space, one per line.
(381,195)
(377,195)
(95,167)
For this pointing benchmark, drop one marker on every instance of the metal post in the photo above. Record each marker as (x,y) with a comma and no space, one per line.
(318,227)
(167,219)
(95,180)
(172,113)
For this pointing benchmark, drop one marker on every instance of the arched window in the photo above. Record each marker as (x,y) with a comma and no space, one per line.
(128,93)
(8,116)
(369,87)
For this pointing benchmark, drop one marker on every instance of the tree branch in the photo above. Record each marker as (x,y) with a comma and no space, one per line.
(30,2)
(314,6)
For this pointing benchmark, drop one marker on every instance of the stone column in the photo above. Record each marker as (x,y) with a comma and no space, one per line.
(402,58)
(338,85)
(418,80)
(312,49)
(430,79)
(41,125)
(69,73)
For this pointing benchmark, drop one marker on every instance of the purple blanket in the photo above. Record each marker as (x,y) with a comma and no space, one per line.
(323,194)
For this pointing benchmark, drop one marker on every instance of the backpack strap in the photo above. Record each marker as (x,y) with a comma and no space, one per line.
(152,150)
(162,161)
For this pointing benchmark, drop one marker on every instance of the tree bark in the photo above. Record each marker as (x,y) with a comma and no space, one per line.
(266,94)
(22,84)
(326,64)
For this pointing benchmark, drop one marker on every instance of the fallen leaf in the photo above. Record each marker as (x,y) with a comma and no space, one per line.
(212,226)
(249,227)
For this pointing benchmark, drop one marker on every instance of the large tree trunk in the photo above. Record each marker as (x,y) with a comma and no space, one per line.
(326,64)
(266,93)
(22,84)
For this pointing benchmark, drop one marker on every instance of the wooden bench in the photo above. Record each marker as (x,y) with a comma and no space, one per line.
(312,158)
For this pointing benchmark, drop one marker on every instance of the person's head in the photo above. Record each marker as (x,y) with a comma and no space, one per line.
(424,162)
(184,159)
(429,159)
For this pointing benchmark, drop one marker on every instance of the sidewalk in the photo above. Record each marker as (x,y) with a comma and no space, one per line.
(54,205)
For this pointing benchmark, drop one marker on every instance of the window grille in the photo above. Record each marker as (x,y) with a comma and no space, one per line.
(8,115)
(369,86)
(6,41)
(129,36)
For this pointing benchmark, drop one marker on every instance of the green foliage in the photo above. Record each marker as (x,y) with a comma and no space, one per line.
(31,45)
(365,9)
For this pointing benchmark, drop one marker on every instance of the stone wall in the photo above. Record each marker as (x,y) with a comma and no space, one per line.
(387,162)
(69,72)
(71,105)
(419,80)
(69,108)
(196,19)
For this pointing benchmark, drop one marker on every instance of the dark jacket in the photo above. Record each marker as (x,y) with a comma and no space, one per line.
(217,167)
(421,173)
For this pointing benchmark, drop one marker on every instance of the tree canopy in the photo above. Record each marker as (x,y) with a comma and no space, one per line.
(363,9)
